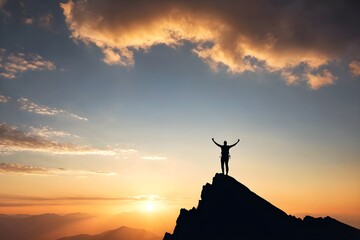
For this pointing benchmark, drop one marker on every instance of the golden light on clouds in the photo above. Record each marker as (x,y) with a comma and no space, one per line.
(13,64)
(220,35)
(319,80)
(355,68)
(14,140)
(20,169)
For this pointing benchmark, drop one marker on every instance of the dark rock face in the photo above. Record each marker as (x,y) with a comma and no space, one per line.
(228,210)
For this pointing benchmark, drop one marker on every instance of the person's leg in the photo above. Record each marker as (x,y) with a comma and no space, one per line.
(227,167)
(222,165)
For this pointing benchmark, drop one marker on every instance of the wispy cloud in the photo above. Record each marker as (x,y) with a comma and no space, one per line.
(81,198)
(125,151)
(29,106)
(48,132)
(153,158)
(2,3)
(14,140)
(28,21)
(13,168)
(242,36)
(13,64)
(4,99)
(355,68)
(4,11)
(23,12)
(18,200)
(46,20)
(18,168)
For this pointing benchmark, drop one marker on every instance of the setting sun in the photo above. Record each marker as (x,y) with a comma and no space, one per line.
(149,207)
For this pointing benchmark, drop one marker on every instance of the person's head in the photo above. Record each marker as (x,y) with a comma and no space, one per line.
(225,143)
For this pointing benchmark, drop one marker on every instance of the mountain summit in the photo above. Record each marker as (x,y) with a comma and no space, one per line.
(229,210)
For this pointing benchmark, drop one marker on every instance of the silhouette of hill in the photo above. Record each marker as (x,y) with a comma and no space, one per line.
(53,226)
(35,227)
(14,215)
(229,210)
(156,222)
(122,233)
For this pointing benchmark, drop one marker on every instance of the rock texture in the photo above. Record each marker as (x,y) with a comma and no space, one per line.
(229,210)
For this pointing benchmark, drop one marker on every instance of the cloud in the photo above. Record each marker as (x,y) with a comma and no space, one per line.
(13,64)
(46,21)
(18,168)
(238,35)
(126,151)
(28,21)
(81,198)
(355,68)
(4,11)
(2,3)
(320,80)
(19,11)
(48,132)
(4,99)
(14,140)
(290,77)
(18,200)
(153,158)
(13,168)
(29,106)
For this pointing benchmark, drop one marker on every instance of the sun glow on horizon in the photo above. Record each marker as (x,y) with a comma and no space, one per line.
(149,206)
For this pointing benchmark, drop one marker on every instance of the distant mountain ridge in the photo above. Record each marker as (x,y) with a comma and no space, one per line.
(35,227)
(229,210)
(122,233)
(52,226)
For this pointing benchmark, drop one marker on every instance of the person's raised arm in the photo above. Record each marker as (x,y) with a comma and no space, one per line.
(216,142)
(235,143)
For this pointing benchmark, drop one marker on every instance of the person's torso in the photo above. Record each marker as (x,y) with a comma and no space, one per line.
(225,150)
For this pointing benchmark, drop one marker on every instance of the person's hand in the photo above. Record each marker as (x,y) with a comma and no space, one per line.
(238,140)
(212,138)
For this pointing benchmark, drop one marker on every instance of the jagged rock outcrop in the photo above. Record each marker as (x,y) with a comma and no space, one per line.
(229,210)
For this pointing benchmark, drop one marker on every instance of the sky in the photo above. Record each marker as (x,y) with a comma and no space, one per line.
(110,106)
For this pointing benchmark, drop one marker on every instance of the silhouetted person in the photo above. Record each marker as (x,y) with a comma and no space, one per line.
(225,154)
